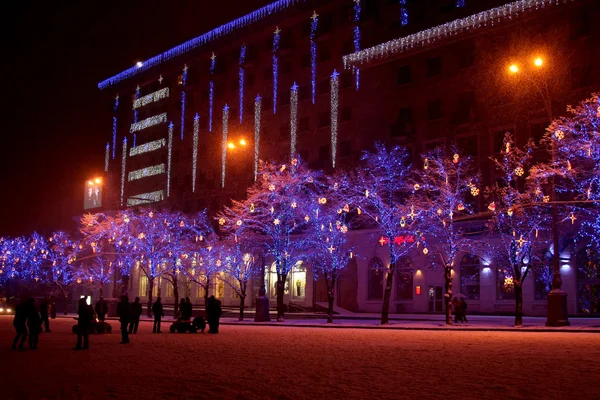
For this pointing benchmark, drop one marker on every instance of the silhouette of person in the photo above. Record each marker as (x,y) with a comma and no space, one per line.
(124,314)
(34,323)
(101,309)
(19,322)
(213,312)
(463,310)
(44,306)
(188,308)
(159,312)
(136,312)
(182,308)
(84,320)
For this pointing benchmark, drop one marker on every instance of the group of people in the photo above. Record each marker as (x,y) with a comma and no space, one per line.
(460,310)
(28,322)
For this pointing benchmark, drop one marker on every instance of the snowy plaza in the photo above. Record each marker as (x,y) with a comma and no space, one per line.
(266,362)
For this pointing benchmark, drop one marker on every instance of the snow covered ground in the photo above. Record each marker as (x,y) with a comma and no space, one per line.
(265,362)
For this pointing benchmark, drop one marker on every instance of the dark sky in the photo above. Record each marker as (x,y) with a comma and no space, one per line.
(55,121)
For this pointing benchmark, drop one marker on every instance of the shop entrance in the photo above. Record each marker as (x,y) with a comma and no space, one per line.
(436,299)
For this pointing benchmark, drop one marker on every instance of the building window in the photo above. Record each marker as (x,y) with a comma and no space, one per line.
(324,86)
(220,285)
(303,125)
(434,66)
(284,98)
(345,148)
(324,119)
(144,286)
(347,80)
(200,291)
(466,57)
(434,109)
(404,279)
(505,281)
(499,139)
(170,290)
(466,108)
(404,74)
(403,125)
(543,277)
(375,279)
(268,74)
(304,92)
(469,276)
(286,67)
(325,23)
(588,281)
(468,145)
(324,54)
(298,280)
(346,114)
(305,61)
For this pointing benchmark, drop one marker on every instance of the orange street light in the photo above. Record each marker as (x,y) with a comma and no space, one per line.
(231,145)
(91,183)
(513,68)
(243,142)
(98,180)
(538,62)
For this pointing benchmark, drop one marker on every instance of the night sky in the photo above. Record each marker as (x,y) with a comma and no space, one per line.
(55,120)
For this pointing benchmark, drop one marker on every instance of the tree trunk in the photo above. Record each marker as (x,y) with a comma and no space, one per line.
(206,297)
(330,299)
(65,303)
(280,289)
(385,308)
(101,290)
(176,309)
(150,290)
(242,301)
(518,304)
(448,295)
(124,288)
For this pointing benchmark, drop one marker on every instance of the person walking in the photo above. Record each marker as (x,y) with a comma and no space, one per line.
(101,309)
(124,314)
(20,324)
(136,312)
(213,313)
(44,306)
(84,319)
(463,310)
(456,307)
(159,312)
(34,323)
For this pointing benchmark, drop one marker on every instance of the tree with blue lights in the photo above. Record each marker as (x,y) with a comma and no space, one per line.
(34,258)
(63,273)
(205,262)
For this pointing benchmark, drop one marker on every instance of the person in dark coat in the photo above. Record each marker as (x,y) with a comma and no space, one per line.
(213,313)
(44,306)
(463,310)
(136,312)
(84,320)
(159,312)
(101,309)
(124,314)
(20,324)
(182,308)
(188,308)
(456,307)
(34,323)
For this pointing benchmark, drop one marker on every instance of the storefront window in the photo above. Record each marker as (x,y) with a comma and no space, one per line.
(588,281)
(144,286)
(505,282)
(271,281)
(375,279)
(298,279)
(469,276)
(404,279)
(220,285)
(199,291)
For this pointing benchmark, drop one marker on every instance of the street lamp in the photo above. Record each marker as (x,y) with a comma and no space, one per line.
(557,298)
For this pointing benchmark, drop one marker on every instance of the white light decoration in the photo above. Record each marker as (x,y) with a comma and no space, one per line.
(211,91)
(147,147)
(257,114)
(490,18)
(151,98)
(145,198)
(169,157)
(293,119)
(195,151)
(148,122)
(106,157)
(146,172)
(123,165)
(335,86)
(224,143)
(313,53)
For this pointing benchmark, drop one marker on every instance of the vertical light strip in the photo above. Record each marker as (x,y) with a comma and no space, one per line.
(211,91)
(106,157)
(183,83)
(257,112)
(134,139)
(123,166)
(460,3)
(169,157)
(195,151)
(114,138)
(135,110)
(313,53)
(241,81)
(224,143)
(403,13)
(293,120)
(334,114)
(356,18)
(276,39)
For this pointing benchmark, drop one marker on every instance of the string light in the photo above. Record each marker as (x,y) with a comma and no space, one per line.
(146,172)
(134,139)
(145,198)
(106,157)
(211,91)
(183,83)
(147,147)
(293,119)
(356,19)
(146,123)
(224,143)
(403,13)
(506,13)
(195,151)
(123,165)
(208,37)
(334,114)
(241,81)
(114,137)
(169,158)
(460,3)
(276,39)
(257,114)
(313,53)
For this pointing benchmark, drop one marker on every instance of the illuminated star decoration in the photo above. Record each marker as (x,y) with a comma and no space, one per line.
(334,81)
(313,53)
(293,119)
(160,79)
(521,241)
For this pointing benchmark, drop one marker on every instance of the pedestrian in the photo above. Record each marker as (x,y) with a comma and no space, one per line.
(182,308)
(101,309)
(34,323)
(456,307)
(84,320)
(463,310)
(159,312)
(20,324)
(44,305)
(213,313)
(124,314)
(136,312)
(188,308)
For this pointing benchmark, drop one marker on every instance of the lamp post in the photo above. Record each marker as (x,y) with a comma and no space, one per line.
(557,314)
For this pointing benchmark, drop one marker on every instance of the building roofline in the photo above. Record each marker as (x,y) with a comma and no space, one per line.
(201,40)
(489,18)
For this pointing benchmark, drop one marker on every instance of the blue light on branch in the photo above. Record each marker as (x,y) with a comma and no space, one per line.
(241,81)
(230,27)
(313,53)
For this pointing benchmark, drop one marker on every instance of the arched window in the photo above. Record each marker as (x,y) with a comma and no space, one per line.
(469,276)
(404,279)
(505,281)
(588,281)
(298,280)
(375,279)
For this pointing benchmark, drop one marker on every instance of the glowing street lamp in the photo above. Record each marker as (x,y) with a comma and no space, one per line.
(243,142)
(538,62)
(230,145)
(514,68)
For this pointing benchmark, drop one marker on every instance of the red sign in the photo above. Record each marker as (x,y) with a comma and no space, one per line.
(398,240)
